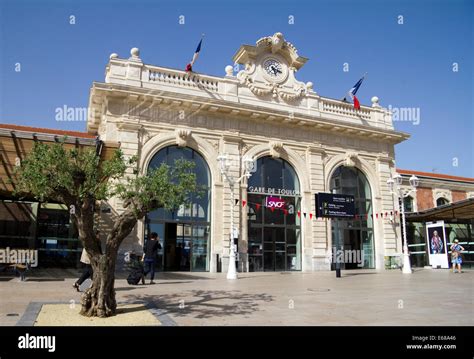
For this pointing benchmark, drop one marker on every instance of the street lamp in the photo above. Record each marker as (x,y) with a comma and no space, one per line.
(394,185)
(249,166)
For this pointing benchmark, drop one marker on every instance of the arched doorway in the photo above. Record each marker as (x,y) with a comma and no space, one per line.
(274,223)
(355,234)
(184,233)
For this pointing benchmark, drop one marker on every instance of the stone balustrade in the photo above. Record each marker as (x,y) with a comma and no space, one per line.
(134,72)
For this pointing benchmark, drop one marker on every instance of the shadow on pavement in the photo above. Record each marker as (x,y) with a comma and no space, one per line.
(353,274)
(180,276)
(132,287)
(202,304)
(140,308)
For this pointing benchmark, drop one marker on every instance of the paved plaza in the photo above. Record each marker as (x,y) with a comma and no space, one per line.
(361,297)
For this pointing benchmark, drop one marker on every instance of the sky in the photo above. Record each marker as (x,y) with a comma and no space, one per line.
(418,55)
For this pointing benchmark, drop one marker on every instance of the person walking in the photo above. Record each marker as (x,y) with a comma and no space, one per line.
(87,271)
(456,259)
(149,256)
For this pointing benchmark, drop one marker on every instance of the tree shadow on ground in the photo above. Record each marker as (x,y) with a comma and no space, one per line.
(139,308)
(202,304)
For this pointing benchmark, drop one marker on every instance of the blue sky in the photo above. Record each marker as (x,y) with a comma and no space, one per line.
(409,65)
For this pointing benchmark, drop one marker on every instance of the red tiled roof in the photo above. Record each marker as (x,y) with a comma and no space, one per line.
(434,175)
(46,130)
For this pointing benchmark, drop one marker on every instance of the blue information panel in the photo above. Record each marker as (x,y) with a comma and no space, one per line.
(335,205)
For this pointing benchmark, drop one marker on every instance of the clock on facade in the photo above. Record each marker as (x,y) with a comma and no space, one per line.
(274,70)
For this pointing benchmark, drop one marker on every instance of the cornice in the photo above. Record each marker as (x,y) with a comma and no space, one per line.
(256,113)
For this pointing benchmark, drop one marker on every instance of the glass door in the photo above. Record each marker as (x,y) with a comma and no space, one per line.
(183,247)
(199,248)
(274,249)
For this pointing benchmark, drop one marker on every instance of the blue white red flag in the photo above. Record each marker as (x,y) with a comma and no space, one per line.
(352,93)
(189,67)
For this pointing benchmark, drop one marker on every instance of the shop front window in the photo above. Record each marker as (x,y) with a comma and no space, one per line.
(58,241)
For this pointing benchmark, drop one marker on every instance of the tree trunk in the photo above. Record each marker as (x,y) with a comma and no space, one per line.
(99,299)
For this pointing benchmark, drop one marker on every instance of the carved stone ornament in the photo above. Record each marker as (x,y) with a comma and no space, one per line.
(182,136)
(256,76)
(350,159)
(276,149)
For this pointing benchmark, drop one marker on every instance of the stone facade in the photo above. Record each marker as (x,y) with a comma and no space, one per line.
(252,113)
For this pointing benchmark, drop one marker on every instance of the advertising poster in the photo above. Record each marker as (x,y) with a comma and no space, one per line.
(436,244)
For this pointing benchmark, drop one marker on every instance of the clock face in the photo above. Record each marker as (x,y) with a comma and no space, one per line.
(274,70)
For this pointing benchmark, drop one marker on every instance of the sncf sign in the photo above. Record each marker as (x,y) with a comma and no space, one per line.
(275,202)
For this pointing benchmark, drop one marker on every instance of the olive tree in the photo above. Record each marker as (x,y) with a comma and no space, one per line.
(78,178)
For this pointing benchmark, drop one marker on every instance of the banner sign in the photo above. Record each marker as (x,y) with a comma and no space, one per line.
(331,205)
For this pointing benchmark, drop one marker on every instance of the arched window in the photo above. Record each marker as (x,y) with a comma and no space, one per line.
(408,203)
(274,217)
(199,208)
(354,234)
(185,232)
(441,201)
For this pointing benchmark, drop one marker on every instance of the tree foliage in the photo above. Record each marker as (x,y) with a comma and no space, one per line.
(78,178)
(52,172)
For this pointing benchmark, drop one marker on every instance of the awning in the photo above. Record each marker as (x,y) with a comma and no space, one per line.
(462,210)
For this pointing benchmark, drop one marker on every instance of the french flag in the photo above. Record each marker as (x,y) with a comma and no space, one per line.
(352,93)
(189,67)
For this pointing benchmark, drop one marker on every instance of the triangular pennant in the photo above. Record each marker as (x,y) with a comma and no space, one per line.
(376,215)
(236,202)
(285,211)
(257,206)
(310,216)
(304,214)
(272,209)
(299,214)
(244,203)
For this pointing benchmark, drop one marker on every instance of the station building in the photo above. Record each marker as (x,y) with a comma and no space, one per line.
(302,144)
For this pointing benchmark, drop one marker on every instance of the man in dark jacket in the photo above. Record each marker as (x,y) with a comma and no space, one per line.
(150,252)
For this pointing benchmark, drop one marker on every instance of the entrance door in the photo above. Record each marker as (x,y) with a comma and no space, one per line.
(352,242)
(177,247)
(274,252)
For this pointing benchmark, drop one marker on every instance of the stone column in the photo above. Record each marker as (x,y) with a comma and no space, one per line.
(314,256)
(230,145)
(388,233)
